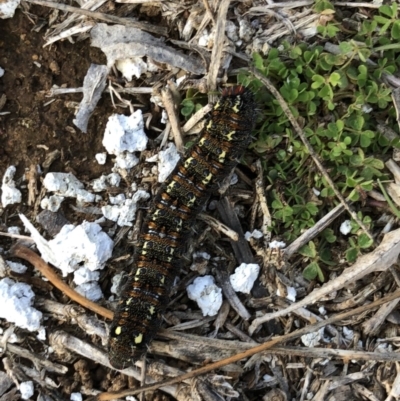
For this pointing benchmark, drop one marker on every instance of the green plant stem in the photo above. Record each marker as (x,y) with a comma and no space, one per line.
(388,200)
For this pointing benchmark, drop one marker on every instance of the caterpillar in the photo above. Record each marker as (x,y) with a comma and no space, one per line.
(162,239)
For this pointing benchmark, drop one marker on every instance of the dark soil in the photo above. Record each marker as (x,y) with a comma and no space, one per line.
(35,125)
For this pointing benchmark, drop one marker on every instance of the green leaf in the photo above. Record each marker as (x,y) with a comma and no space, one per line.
(354,195)
(310,272)
(329,235)
(388,11)
(318,81)
(308,250)
(334,79)
(258,61)
(395,32)
(351,254)
(321,5)
(345,47)
(312,208)
(188,107)
(364,241)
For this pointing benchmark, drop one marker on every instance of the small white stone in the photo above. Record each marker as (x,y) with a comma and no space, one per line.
(244,277)
(133,66)
(13,230)
(76,397)
(7,8)
(117,200)
(16,267)
(291,294)
(26,389)
(52,203)
(207,295)
(345,227)
(167,161)
(125,133)
(16,301)
(84,275)
(277,245)
(10,194)
(91,291)
(67,185)
(101,158)
(41,334)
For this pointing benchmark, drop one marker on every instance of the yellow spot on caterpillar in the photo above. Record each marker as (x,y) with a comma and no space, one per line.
(151,310)
(118,330)
(229,135)
(207,179)
(235,107)
(170,187)
(137,274)
(162,280)
(188,162)
(221,157)
(209,125)
(128,301)
(191,202)
(138,339)
(217,105)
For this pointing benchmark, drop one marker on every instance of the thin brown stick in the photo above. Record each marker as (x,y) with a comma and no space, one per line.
(102,17)
(310,150)
(25,253)
(255,350)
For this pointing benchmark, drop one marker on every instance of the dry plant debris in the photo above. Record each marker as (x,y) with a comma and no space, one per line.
(148,67)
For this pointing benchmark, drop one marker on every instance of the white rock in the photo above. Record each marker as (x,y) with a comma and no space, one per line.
(291,294)
(167,160)
(244,277)
(101,157)
(52,202)
(117,200)
(125,212)
(277,245)
(204,38)
(16,300)
(13,230)
(125,133)
(126,160)
(91,291)
(348,334)
(116,283)
(257,234)
(312,339)
(76,397)
(73,247)
(345,227)
(164,117)
(16,267)
(130,67)
(41,334)
(67,185)
(1,72)
(106,181)
(26,389)
(84,275)
(207,295)
(10,194)
(7,9)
